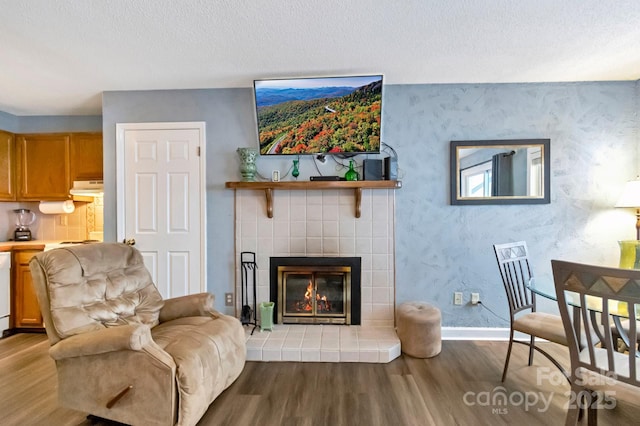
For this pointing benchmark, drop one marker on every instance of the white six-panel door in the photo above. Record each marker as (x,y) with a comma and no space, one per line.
(160,195)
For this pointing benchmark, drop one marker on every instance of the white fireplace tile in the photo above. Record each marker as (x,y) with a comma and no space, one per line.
(329,355)
(363,228)
(311,343)
(365,261)
(363,245)
(330,212)
(271,354)
(281,229)
(294,355)
(262,293)
(249,244)
(296,330)
(314,229)
(380,278)
(379,262)
(379,245)
(314,246)
(292,342)
(298,229)
(330,228)
(330,342)
(350,355)
(298,246)
(347,228)
(314,213)
(298,198)
(330,246)
(314,198)
(366,278)
(266,245)
(280,246)
(330,197)
(380,229)
(347,246)
(265,228)
(310,355)
(254,354)
(366,295)
(249,229)
(368,355)
(380,295)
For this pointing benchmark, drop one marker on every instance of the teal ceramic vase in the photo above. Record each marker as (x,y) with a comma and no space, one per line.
(248,163)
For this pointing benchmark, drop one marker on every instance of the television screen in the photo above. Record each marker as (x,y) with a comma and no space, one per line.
(333,115)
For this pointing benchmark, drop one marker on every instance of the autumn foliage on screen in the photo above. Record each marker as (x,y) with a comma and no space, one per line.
(344,124)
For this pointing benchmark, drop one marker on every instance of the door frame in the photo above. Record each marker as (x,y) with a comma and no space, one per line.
(121,128)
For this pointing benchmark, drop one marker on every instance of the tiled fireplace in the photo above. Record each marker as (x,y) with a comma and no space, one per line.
(321,223)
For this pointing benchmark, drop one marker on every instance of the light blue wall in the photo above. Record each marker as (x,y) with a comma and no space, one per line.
(440,248)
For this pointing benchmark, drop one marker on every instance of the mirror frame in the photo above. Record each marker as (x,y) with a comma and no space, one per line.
(454,177)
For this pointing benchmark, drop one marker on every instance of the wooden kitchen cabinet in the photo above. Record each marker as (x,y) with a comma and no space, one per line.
(7,166)
(25,310)
(43,167)
(86,156)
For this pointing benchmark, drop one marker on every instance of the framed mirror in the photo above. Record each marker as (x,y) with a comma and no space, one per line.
(514,171)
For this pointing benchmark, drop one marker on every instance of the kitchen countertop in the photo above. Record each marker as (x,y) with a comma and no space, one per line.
(30,245)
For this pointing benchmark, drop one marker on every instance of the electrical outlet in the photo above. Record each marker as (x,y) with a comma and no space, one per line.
(228,299)
(457,298)
(475,298)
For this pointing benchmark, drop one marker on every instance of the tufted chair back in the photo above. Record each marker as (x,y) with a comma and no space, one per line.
(93,286)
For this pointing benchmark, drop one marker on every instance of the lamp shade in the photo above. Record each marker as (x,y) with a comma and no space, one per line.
(630,197)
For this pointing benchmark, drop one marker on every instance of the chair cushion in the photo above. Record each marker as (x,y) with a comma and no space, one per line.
(209,353)
(94,286)
(543,325)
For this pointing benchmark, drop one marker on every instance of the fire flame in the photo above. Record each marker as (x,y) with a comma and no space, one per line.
(322,303)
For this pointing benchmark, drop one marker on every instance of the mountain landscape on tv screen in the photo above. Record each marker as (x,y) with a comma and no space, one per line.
(320,119)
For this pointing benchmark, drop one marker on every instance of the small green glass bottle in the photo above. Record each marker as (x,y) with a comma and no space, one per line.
(295,173)
(351,174)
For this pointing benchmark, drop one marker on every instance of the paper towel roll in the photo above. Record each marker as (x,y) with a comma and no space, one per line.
(57,207)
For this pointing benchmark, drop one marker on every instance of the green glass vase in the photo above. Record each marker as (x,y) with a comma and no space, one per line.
(351,174)
(629,254)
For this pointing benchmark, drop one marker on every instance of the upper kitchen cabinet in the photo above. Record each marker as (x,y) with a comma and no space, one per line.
(86,156)
(7,166)
(43,170)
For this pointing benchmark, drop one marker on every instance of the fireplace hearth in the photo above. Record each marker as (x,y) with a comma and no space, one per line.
(316,290)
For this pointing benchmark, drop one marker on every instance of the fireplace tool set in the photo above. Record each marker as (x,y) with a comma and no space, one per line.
(248,267)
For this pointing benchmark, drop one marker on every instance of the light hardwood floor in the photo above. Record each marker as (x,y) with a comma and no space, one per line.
(454,388)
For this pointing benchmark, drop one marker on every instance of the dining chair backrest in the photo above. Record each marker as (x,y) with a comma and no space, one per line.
(513,261)
(591,299)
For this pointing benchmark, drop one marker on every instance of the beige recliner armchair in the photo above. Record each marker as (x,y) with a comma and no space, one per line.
(121,351)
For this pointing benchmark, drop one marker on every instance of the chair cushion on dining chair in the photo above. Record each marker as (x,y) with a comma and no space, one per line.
(543,325)
(598,382)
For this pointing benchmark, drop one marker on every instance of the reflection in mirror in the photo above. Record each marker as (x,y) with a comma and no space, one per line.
(500,172)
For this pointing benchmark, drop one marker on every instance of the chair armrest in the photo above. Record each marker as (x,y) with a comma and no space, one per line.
(192,305)
(126,337)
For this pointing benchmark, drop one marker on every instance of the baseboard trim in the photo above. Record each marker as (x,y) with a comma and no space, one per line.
(480,333)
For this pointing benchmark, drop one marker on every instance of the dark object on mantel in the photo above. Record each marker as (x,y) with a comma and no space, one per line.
(80,242)
(326,178)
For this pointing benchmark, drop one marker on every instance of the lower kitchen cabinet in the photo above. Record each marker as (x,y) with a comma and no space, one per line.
(25,308)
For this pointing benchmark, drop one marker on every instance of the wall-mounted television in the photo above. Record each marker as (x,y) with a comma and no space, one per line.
(324,115)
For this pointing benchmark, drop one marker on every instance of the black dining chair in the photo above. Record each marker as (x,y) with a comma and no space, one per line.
(513,262)
(592,299)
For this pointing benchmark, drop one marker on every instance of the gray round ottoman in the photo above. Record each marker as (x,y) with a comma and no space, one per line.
(418,328)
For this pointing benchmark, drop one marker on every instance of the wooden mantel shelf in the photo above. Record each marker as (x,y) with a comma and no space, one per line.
(357,186)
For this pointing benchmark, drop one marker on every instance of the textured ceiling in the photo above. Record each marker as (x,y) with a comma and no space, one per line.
(57,57)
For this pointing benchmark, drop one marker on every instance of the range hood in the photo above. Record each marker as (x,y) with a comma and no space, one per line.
(87,188)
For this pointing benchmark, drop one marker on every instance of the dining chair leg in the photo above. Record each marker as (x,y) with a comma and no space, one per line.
(506,361)
(532,345)
(574,413)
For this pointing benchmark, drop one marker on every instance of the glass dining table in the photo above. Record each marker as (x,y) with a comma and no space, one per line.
(618,310)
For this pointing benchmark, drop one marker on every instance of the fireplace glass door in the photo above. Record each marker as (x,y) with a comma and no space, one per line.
(315,295)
